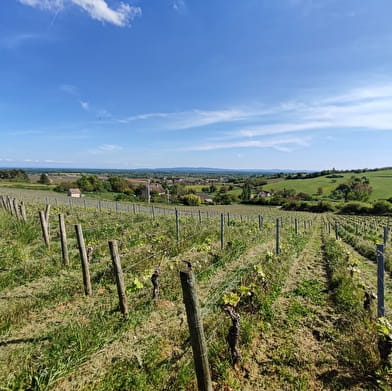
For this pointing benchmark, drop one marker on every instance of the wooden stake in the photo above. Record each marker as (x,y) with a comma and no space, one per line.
(199,345)
(177,226)
(23,212)
(63,239)
(380,281)
(84,260)
(222,231)
(16,208)
(119,277)
(44,227)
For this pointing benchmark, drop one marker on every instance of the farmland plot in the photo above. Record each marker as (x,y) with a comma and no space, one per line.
(302,319)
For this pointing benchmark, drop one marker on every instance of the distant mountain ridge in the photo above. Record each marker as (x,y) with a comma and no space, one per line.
(179,170)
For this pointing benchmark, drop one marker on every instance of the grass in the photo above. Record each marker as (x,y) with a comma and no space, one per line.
(57,339)
(380,181)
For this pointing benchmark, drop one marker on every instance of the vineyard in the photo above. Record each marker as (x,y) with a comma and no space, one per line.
(288,301)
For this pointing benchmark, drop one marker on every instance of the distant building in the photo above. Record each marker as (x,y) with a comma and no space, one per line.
(206,198)
(154,187)
(264,194)
(74,193)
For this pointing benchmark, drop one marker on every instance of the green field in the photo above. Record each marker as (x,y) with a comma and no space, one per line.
(381,182)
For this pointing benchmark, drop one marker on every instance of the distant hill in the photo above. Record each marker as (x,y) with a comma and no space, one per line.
(199,171)
(380,180)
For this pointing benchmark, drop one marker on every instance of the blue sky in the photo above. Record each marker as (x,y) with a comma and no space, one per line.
(287,84)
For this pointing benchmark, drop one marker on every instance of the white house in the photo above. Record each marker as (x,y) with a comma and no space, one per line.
(75,193)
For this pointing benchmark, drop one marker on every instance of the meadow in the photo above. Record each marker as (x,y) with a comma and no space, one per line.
(380,181)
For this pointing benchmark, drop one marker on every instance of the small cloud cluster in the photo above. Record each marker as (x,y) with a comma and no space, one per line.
(85,105)
(179,5)
(97,9)
(74,91)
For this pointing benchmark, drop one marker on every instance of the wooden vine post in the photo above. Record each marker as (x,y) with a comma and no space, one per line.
(16,207)
(277,250)
(222,231)
(12,206)
(23,212)
(44,227)
(122,296)
(84,260)
(380,281)
(63,240)
(177,226)
(260,222)
(47,211)
(195,324)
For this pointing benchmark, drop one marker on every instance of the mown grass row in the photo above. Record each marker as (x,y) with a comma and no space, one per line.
(366,245)
(359,331)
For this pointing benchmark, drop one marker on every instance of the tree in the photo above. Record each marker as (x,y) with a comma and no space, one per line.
(119,185)
(212,188)
(44,179)
(91,183)
(224,199)
(355,189)
(246,192)
(15,175)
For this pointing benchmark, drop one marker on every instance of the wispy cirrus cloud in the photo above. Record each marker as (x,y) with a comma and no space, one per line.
(191,119)
(285,144)
(96,9)
(70,89)
(18,133)
(14,41)
(105,148)
(361,109)
(41,161)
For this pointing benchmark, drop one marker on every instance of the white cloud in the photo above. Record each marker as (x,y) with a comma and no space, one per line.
(51,5)
(282,128)
(18,133)
(179,5)
(281,144)
(360,109)
(143,117)
(70,89)
(106,148)
(17,40)
(192,119)
(97,9)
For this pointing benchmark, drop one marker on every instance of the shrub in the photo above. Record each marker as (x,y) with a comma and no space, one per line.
(191,200)
(354,208)
(382,207)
